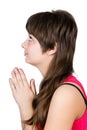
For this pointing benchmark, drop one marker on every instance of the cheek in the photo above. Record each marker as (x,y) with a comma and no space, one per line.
(31,51)
(34,57)
(34,50)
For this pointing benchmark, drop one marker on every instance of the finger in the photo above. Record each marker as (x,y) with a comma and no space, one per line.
(12,86)
(32,86)
(19,81)
(14,79)
(23,77)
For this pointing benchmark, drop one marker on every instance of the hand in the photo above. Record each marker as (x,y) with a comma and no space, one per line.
(23,92)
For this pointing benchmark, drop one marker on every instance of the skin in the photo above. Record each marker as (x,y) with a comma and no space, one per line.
(66,105)
(34,55)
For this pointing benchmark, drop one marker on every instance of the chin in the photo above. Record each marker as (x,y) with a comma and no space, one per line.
(28,62)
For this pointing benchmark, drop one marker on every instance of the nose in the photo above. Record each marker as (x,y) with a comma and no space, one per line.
(24,44)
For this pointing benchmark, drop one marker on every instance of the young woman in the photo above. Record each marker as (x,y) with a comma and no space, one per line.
(61,102)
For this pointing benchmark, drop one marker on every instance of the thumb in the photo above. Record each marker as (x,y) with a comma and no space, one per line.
(33,86)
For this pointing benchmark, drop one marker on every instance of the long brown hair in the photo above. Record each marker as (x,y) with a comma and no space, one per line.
(49,28)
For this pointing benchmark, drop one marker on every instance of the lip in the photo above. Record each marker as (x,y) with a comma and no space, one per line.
(25,53)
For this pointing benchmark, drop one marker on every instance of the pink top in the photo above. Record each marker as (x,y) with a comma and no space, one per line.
(81,123)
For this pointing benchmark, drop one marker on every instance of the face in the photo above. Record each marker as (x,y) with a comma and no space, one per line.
(32,51)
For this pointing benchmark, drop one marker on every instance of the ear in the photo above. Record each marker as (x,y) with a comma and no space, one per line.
(52,51)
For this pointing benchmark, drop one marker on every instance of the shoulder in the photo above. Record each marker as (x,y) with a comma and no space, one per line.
(65,93)
(66,96)
(64,107)
(70,95)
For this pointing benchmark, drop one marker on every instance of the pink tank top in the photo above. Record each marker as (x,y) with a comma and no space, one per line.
(81,123)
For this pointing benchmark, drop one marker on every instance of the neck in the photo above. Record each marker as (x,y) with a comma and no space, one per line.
(43,68)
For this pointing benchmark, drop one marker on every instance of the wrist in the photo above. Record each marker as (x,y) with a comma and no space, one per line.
(26,113)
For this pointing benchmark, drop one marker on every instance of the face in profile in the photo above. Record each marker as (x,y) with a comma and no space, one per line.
(32,51)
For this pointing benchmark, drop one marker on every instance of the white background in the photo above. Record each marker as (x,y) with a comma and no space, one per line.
(13,17)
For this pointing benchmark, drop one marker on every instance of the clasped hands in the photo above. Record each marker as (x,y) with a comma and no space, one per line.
(23,92)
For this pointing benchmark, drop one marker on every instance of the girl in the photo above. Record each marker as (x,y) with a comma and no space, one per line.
(61,102)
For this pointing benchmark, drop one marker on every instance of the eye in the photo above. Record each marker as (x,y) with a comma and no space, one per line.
(30,38)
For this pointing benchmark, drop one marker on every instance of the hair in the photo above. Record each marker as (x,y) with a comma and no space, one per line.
(50,28)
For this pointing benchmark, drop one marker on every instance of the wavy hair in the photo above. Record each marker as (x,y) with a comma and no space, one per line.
(49,28)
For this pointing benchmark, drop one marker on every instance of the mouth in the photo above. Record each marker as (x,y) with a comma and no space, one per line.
(25,53)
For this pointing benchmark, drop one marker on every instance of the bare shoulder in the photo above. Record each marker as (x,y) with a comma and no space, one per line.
(66,95)
(70,97)
(64,91)
(69,94)
(64,108)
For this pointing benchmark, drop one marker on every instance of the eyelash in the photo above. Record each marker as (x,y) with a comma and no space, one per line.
(30,38)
